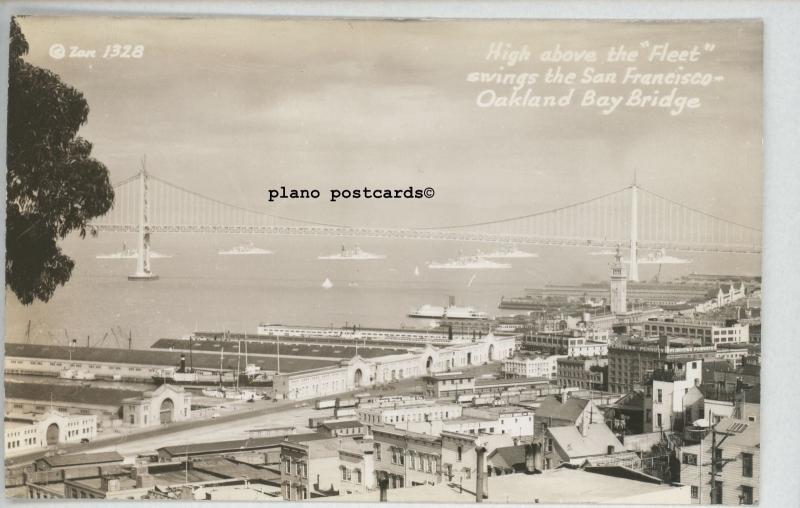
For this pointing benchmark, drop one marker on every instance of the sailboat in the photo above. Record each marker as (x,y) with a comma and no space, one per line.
(253,375)
(327,284)
(416,271)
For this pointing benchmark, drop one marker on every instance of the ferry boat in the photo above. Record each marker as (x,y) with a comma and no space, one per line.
(509,251)
(189,376)
(252,375)
(126,253)
(245,249)
(76,374)
(602,252)
(468,263)
(354,254)
(450,312)
(235,394)
(659,257)
(193,377)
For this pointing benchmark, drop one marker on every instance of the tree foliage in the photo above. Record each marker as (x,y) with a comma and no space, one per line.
(54,185)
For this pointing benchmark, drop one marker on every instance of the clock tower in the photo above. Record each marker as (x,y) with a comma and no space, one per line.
(619,286)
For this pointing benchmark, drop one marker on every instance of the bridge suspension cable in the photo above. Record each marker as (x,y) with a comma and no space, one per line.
(613,218)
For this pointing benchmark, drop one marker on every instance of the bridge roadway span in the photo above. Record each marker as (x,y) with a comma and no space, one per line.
(424,234)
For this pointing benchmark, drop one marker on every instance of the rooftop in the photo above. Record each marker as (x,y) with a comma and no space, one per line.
(551,407)
(505,382)
(507,456)
(125,482)
(596,442)
(74,394)
(161,357)
(341,424)
(79,459)
(742,433)
(238,445)
(450,375)
(554,486)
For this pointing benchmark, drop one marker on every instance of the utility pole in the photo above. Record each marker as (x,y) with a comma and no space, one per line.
(713,464)
(700,467)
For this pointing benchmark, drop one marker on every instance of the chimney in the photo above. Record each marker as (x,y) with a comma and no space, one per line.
(480,477)
(145,481)
(383,485)
(141,474)
(584,426)
(533,457)
(109,484)
(187,492)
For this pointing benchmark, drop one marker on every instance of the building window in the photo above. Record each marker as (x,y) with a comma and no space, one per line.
(658,420)
(377,451)
(747,465)
(357,474)
(659,396)
(648,416)
(747,494)
(287,466)
(690,459)
(459,450)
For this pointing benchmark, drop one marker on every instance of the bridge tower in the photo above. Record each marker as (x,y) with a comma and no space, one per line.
(633,267)
(143,271)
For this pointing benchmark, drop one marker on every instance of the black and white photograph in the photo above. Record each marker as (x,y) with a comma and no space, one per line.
(383,260)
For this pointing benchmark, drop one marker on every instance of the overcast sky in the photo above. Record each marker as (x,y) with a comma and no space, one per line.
(232,107)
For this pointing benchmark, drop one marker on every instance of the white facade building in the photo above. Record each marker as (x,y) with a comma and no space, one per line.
(165,404)
(30,432)
(359,372)
(532,366)
(513,422)
(406,414)
(674,394)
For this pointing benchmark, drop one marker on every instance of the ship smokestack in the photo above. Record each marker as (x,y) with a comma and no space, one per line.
(183,363)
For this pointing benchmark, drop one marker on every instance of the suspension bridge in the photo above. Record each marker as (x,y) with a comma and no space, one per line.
(633,216)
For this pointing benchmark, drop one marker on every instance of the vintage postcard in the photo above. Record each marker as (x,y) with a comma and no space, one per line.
(378,260)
